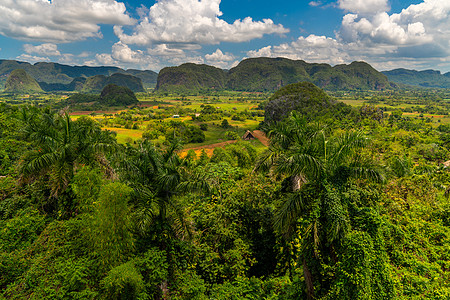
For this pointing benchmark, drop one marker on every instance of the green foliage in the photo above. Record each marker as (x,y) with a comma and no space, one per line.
(86,185)
(141,222)
(114,95)
(232,135)
(190,77)
(304,98)
(123,282)
(270,74)
(153,267)
(21,231)
(110,230)
(61,145)
(426,78)
(20,82)
(96,84)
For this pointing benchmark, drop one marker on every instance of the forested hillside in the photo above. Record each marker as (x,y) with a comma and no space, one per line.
(20,82)
(269,74)
(426,78)
(53,73)
(345,203)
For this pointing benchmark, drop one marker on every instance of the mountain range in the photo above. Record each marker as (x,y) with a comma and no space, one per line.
(269,74)
(427,78)
(253,74)
(54,73)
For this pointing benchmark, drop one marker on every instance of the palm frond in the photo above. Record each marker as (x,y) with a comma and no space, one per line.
(299,163)
(287,215)
(36,162)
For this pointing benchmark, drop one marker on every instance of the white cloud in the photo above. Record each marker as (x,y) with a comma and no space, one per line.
(123,53)
(103,59)
(59,21)
(31,58)
(165,51)
(193,22)
(364,6)
(219,56)
(47,49)
(383,29)
(220,59)
(319,49)
(315,3)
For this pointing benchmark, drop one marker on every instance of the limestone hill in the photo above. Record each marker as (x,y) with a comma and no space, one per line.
(20,82)
(270,74)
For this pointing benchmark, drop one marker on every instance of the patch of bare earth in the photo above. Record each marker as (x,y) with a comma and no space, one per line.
(261,137)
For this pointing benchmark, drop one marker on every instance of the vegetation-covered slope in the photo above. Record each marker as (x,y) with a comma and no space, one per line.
(303,97)
(427,78)
(65,74)
(114,95)
(269,74)
(111,95)
(266,74)
(191,77)
(20,82)
(95,84)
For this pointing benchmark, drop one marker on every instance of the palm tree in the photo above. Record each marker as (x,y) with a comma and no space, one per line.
(316,169)
(60,145)
(158,178)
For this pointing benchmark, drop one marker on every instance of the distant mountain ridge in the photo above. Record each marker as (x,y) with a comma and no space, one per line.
(19,81)
(54,73)
(270,74)
(426,78)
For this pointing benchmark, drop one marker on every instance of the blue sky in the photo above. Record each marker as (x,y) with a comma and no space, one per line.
(153,34)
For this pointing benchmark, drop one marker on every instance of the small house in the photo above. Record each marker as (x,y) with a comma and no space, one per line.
(248,136)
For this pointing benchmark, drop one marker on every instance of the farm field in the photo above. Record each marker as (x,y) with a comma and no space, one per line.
(240,110)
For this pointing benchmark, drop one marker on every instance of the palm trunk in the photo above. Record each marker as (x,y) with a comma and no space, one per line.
(308,280)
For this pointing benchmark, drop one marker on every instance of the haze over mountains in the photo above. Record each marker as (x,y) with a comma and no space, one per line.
(254,74)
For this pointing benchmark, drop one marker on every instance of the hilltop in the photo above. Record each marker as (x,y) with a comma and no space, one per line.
(20,82)
(303,97)
(95,84)
(269,74)
(191,77)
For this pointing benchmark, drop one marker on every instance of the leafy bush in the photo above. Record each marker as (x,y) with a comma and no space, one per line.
(123,282)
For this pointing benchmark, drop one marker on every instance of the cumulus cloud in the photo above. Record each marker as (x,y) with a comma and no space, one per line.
(123,53)
(313,48)
(32,58)
(193,22)
(426,23)
(58,21)
(102,59)
(383,29)
(417,37)
(219,56)
(221,60)
(364,6)
(47,49)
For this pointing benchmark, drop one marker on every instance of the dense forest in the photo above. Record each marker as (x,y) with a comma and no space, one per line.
(345,203)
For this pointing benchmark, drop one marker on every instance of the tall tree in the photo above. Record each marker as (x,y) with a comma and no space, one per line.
(60,145)
(316,168)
